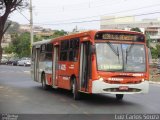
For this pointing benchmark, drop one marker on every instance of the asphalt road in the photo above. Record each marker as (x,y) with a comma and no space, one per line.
(19,94)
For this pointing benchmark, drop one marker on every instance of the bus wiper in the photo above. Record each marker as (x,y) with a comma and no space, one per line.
(116,52)
(128,50)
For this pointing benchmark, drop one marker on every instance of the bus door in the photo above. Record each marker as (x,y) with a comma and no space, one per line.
(36,64)
(85,65)
(55,66)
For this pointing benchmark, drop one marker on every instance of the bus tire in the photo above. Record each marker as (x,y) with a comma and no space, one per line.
(119,96)
(43,81)
(76,94)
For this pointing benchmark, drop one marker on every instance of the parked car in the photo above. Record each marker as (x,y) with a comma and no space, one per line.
(13,61)
(4,60)
(24,62)
(158,66)
(158,62)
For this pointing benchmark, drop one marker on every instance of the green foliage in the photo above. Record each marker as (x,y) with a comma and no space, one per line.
(37,38)
(148,40)
(58,33)
(8,49)
(136,29)
(14,27)
(155,51)
(20,45)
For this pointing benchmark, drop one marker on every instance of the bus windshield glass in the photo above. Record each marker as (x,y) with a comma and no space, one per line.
(120,57)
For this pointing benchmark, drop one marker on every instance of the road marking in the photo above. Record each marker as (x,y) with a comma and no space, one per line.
(12,71)
(1,87)
(26,71)
(86,113)
(63,100)
(75,106)
(6,95)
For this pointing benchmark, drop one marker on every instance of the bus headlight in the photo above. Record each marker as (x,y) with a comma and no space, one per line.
(101,79)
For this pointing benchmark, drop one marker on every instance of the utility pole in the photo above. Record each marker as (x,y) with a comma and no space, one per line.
(31,23)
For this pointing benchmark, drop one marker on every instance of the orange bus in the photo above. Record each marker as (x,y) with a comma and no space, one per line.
(104,61)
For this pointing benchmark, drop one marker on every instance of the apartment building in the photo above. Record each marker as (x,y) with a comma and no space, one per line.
(149,26)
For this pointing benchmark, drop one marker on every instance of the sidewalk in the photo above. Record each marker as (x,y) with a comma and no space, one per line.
(153,82)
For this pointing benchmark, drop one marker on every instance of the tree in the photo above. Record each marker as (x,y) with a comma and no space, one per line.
(147,36)
(6,8)
(136,29)
(20,45)
(58,33)
(14,28)
(148,40)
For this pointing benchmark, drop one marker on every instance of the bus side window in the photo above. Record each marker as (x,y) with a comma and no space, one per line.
(69,50)
(73,49)
(49,48)
(42,52)
(64,50)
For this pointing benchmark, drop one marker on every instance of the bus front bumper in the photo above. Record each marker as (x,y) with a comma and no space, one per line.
(99,86)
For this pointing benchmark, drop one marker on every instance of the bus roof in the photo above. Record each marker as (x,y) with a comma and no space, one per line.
(84,33)
(42,42)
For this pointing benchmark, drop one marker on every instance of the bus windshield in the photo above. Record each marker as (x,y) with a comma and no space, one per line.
(120,57)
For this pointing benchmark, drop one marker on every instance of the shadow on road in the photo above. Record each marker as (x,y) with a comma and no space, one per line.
(92,99)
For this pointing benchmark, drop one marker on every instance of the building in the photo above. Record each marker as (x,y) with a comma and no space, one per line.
(25,28)
(149,26)
(6,40)
(37,30)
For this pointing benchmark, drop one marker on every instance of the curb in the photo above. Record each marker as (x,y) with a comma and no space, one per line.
(152,82)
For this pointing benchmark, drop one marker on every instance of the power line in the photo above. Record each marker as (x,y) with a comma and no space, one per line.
(80,4)
(23,15)
(96,20)
(97,15)
(154,5)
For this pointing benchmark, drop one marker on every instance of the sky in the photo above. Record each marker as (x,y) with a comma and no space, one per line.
(84,14)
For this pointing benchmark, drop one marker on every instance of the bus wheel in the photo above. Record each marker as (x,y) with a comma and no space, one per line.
(76,94)
(119,96)
(43,81)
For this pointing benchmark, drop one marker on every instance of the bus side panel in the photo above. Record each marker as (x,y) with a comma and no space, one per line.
(66,70)
(63,82)
(49,79)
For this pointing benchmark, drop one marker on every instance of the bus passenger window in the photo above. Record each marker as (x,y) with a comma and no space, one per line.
(65,45)
(63,50)
(48,56)
(63,56)
(69,49)
(73,49)
(42,57)
(73,55)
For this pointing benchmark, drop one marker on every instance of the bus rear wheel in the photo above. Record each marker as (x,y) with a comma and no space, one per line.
(119,96)
(76,94)
(43,81)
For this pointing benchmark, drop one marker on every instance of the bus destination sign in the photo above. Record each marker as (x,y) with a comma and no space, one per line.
(119,36)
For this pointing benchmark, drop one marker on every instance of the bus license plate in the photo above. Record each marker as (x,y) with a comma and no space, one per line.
(123,88)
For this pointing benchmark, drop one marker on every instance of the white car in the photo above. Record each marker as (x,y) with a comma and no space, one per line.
(3,61)
(24,61)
